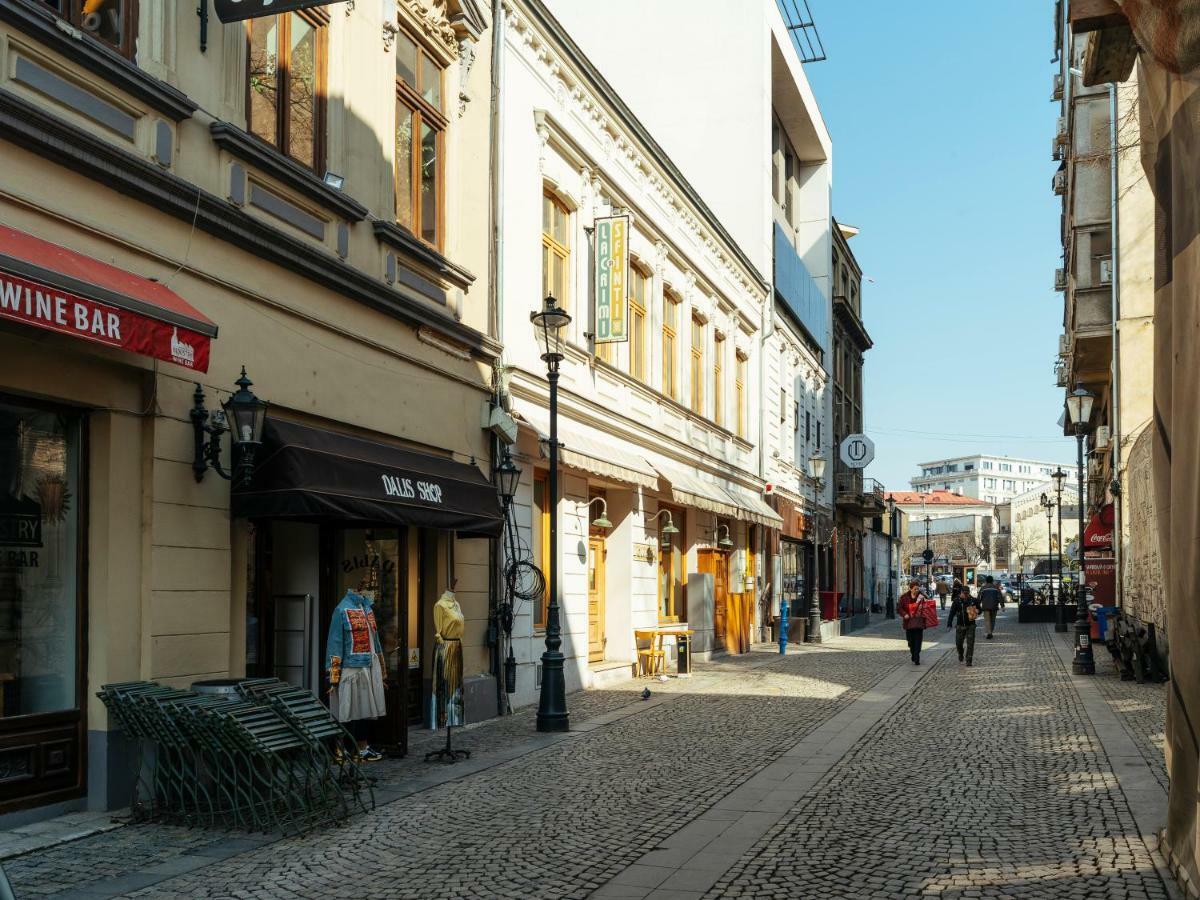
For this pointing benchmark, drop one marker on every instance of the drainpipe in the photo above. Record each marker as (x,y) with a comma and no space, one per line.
(1116,340)
(496,212)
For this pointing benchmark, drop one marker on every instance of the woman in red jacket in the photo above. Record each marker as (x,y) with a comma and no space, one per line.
(915,610)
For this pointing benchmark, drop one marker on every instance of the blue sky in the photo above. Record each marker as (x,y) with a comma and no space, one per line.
(941,122)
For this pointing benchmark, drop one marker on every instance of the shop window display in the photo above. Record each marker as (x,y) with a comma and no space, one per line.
(39,548)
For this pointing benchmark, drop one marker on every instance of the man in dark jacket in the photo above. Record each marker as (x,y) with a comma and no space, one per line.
(991,598)
(964,609)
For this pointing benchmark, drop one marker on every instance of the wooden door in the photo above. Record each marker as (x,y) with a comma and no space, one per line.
(715,563)
(595,574)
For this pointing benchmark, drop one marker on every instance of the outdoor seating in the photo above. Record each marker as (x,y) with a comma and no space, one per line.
(652,659)
(268,758)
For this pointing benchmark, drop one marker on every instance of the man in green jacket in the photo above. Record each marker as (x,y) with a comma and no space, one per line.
(965,609)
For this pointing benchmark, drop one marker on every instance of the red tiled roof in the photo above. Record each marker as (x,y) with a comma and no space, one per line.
(935,498)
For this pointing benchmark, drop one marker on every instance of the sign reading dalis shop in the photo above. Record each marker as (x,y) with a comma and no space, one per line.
(236,10)
(47,307)
(612,279)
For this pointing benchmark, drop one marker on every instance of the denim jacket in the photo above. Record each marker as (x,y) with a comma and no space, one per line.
(353,637)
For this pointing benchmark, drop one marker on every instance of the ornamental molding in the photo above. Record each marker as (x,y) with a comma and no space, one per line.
(555,70)
(433,17)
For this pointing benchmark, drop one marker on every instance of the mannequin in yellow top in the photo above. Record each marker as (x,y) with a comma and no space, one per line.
(448,627)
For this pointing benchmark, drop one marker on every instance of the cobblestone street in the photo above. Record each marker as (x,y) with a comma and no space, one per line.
(836,771)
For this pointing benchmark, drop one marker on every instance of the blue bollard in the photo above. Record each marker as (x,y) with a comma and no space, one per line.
(783,626)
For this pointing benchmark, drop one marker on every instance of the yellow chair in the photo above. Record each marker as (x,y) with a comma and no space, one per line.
(652,659)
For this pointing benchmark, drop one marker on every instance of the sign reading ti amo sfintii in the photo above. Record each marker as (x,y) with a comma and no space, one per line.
(612,279)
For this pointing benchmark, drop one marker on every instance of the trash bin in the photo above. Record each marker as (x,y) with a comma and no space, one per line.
(683,649)
(223,687)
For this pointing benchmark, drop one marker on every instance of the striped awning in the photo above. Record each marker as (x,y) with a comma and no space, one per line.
(578,449)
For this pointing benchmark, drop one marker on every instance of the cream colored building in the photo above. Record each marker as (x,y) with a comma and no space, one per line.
(660,428)
(356,311)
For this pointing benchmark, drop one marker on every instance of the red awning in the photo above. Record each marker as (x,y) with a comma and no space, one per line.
(48,286)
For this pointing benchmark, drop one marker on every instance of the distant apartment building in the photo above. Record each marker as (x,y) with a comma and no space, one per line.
(996,479)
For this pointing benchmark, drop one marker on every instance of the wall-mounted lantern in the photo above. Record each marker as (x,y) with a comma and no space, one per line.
(242,415)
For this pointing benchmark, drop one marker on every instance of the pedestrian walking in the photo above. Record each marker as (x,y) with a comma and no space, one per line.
(916,614)
(964,610)
(991,598)
(942,590)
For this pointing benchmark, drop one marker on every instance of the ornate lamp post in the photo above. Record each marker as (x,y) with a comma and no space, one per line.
(928,555)
(506,477)
(1048,504)
(1079,413)
(812,635)
(242,415)
(550,322)
(1059,477)
(891,600)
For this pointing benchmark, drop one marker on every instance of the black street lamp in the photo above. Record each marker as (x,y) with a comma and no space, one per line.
(551,321)
(1048,505)
(507,477)
(1079,413)
(242,415)
(812,634)
(891,600)
(1059,477)
(928,555)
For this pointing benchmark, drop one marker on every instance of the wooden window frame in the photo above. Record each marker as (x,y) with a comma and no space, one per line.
(540,518)
(739,389)
(319,20)
(556,248)
(423,113)
(129,27)
(638,367)
(679,520)
(697,369)
(670,345)
(717,373)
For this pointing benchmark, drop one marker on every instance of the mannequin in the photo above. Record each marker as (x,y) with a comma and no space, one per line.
(447,700)
(355,663)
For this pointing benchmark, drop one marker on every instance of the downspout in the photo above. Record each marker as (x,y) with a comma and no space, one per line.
(497,548)
(1115,275)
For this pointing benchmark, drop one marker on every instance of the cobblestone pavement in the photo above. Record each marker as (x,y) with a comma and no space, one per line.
(1142,710)
(984,782)
(981,782)
(561,821)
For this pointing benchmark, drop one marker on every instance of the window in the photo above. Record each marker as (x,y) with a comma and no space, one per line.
(697,371)
(987,465)
(112,22)
(286,84)
(739,390)
(807,427)
(818,434)
(556,249)
(639,289)
(671,578)
(1008,485)
(670,331)
(789,173)
(420,124)
(541,539)
(989,482)
(718,390)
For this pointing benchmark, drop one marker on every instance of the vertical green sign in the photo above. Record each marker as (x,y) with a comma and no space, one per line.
(612,279)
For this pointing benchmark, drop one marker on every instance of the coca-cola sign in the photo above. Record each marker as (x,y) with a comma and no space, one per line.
(1098,534)
(237,10)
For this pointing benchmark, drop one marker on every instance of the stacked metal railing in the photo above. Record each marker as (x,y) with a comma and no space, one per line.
(270,758)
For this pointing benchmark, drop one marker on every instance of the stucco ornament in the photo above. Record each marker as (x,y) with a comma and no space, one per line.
(466,58)
(435,21)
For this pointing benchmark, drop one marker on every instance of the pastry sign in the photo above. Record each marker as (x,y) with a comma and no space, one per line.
(410,489)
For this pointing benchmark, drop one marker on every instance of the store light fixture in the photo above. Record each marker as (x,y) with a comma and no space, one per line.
(601,521)
(334,180)
(242,415)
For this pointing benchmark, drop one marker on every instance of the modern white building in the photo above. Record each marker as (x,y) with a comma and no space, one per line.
(769,184)
(660,429)
(996,479)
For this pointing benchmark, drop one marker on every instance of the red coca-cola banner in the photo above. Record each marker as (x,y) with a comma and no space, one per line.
(46,307)
(1098,534)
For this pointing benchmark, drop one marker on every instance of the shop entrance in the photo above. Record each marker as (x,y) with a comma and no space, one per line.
(302,571)
(43,503)
(716,563)
(595,573)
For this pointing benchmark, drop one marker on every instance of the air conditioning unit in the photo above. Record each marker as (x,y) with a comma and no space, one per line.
(1056,151)
(1060,373)
(1060,183)
(1060,130)
(1057,92)
(1060,279)
(1103,435)
(1064,345)
(1106,268)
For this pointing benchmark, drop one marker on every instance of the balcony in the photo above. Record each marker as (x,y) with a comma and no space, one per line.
(859,496)
(798,292)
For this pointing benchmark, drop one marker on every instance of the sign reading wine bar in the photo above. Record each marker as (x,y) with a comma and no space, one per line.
(42,306)
(237,10)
